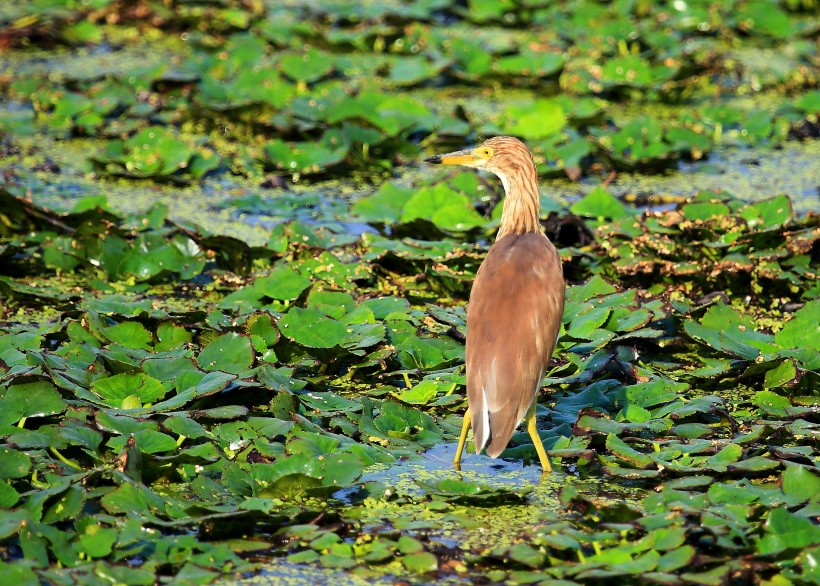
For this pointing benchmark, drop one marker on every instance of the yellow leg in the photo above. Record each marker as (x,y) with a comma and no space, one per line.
(536,439)
(462,439)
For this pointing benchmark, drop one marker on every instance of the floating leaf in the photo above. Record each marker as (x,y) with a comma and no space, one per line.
(783,374)
(785,530)
(37,399)
(446,208)
(13,464)
(599,203)
(310,327)
(803,330)
(538,120)
(723,328)
(422,562)
(116,390)
(129,334)
(232,353)
(800,482)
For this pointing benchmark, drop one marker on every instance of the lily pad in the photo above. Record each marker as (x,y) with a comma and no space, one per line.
(232,353)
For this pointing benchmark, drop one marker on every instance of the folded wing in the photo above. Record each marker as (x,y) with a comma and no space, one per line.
(512,324)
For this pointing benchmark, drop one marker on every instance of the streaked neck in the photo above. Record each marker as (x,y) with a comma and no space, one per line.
(522,202)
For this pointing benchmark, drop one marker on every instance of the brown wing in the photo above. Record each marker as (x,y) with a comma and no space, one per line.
(512,323)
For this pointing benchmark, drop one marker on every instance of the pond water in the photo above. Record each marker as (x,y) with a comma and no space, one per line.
(232,298)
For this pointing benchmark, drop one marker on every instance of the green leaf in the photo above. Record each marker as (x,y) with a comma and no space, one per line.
(133,499)
(676,559)
(629,70)
(772,403)
(536,120)
(783,374)
(787,531)
(584,326)
(764,19)
(622,451)
(13,464)
(769,213)
(803,330)
(420,394)
(411,69)
(532,64)
(596,285)
(310,65)
(800,482)
(12,521)
(67,506)
(171,336)
(599,203)
(114,390)
(147,441)
(600,424)
(129,334)
(98,541)
(756,464)
(526,555)
(446,208)
(279,379)
(385,206)
(304,157)
(420,563)
(313,329)
(8,495)
(636,414)
(730,454)
(81,435)
(704,211)
(37,399)
(327,404)
(723,328)
(82,32)
(232,353)
(407,544)
(283,283)
(18,574)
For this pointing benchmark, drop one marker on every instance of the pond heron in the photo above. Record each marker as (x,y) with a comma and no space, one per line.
(515,306)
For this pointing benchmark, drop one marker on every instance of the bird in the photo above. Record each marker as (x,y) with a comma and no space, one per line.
(515,306)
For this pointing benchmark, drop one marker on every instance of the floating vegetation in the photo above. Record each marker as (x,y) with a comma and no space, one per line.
(184,406)
(260,396)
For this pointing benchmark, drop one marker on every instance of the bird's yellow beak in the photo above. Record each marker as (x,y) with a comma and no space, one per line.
(456,158)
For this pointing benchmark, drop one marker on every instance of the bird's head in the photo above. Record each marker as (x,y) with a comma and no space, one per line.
(504,156)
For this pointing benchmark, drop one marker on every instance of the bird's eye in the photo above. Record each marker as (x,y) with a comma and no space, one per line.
(487,152)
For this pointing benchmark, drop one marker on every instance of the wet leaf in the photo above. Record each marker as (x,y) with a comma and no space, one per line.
(623,452)
(468,492)
(310,327)
(232,353)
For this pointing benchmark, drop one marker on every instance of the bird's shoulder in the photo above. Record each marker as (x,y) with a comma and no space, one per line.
(515,252)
